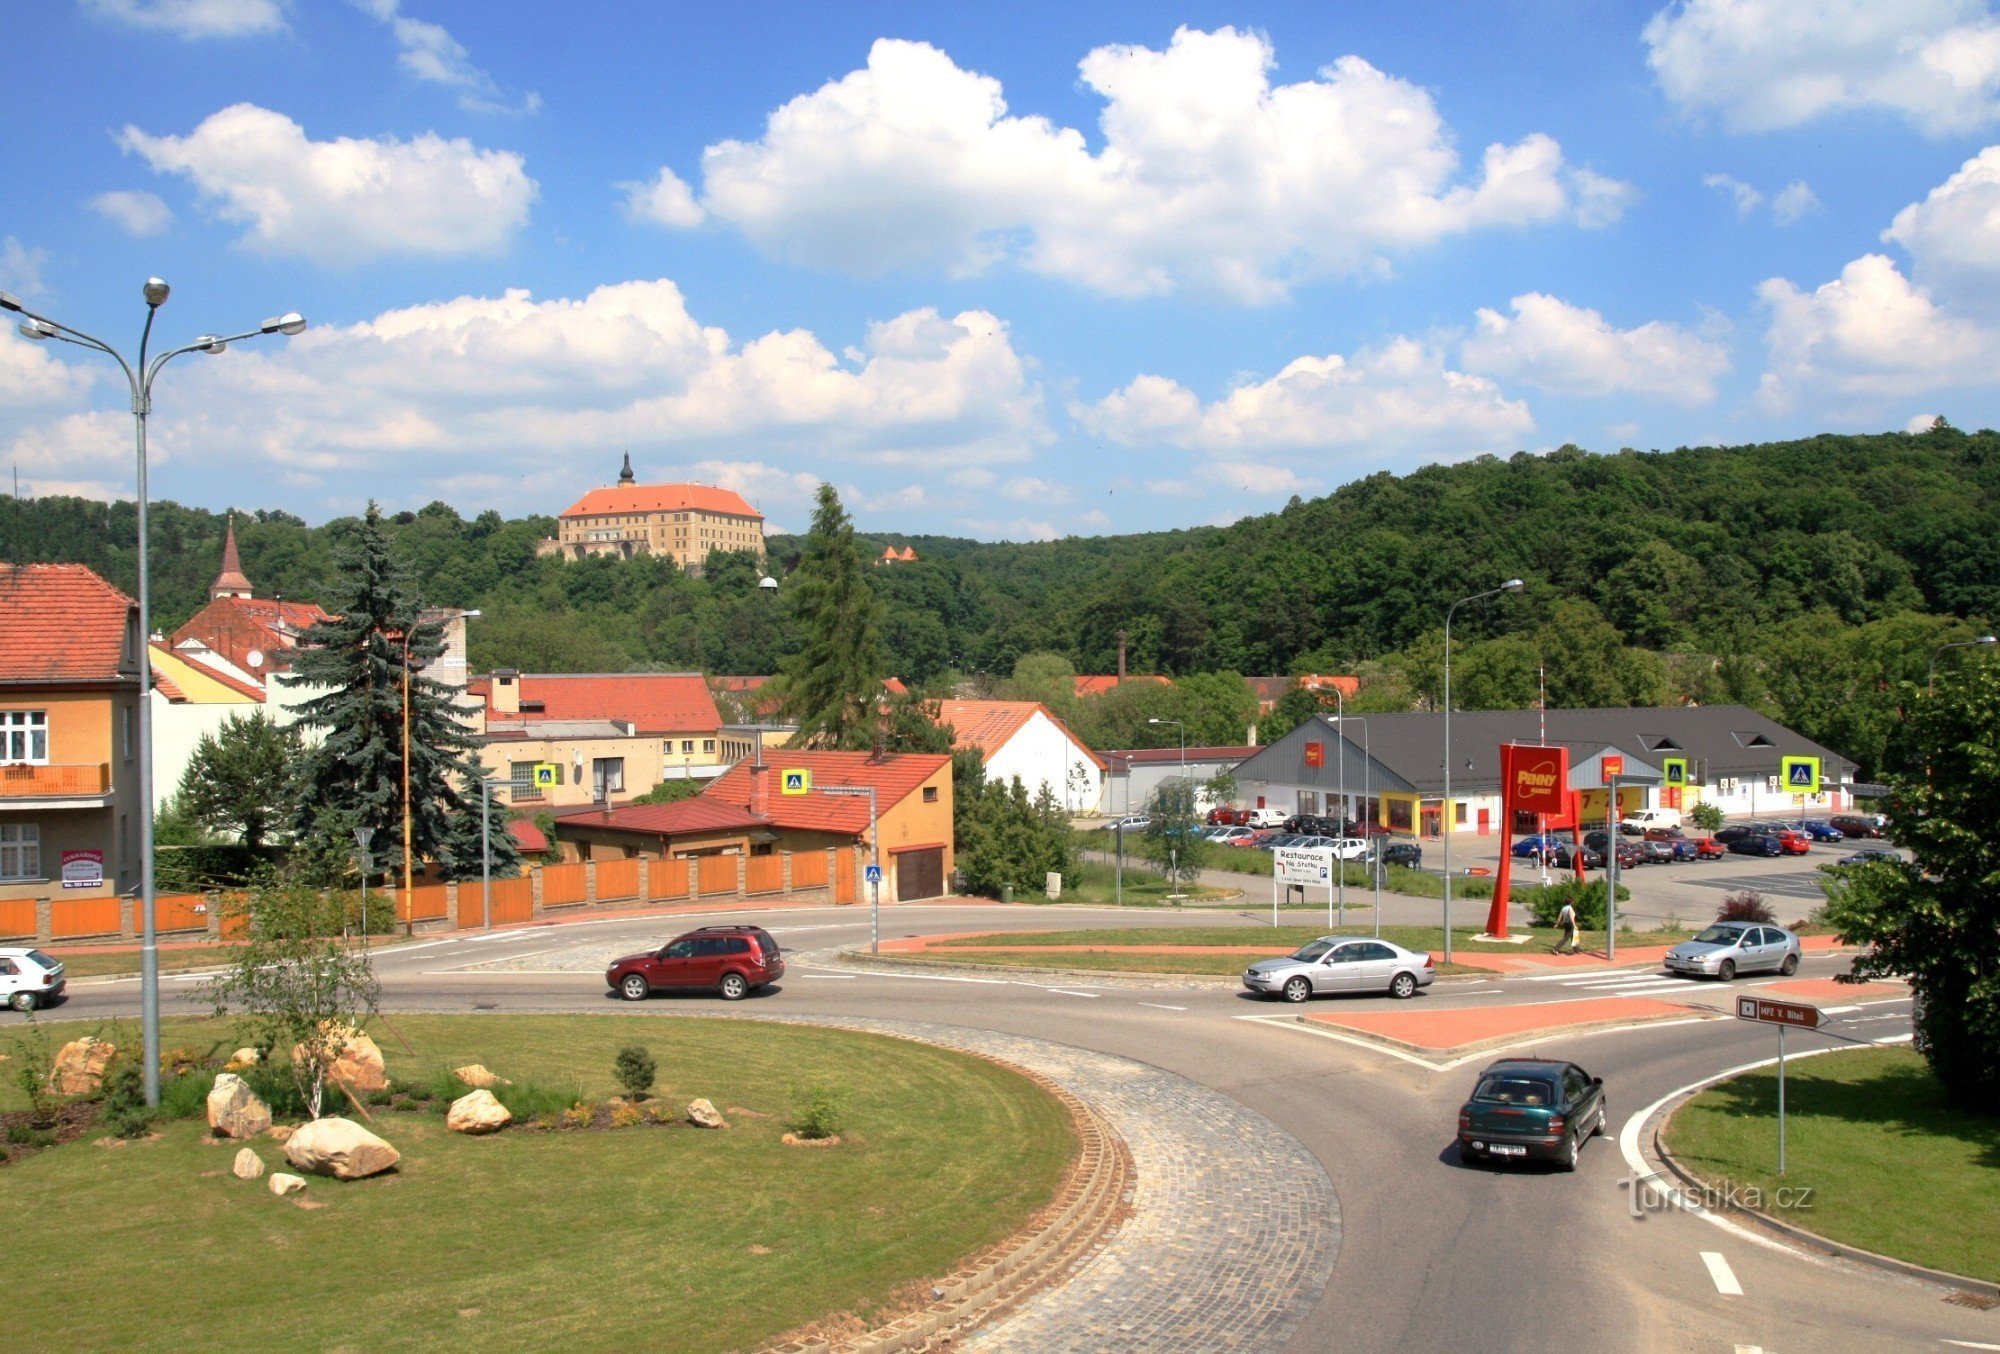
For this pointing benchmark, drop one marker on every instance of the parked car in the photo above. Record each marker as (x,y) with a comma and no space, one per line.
(1258,836)
(1400,853)
(1790,842)
(1814,830)
(1868,853)
(1131,822)
(1732,947)
(1709,848)
(1737,832)
(1686,848)
(1532,1109)
(732,960)
(1598,841)
(1663,834)
(1231,836)
(1272,841)
(1342,964)
(29,978)
(1560,858)
(1537,845)
(1759,844)
(1350,848)
(1860,824)
(1650,852)
(1637,822)
(1267,818)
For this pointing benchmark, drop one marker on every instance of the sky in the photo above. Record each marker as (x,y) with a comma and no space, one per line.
(1010,271)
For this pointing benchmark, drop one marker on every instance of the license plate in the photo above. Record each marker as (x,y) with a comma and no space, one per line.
(1500,1151)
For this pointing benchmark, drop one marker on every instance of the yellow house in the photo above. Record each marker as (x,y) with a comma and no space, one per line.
(608,736)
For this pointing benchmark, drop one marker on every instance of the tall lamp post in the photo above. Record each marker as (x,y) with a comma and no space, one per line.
(1173,848)
(140,377)
(1444,811)
(1340,779)
(1930,682)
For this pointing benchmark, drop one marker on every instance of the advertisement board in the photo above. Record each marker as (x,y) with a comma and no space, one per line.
(1534,779)
(83,869)
(1303,865)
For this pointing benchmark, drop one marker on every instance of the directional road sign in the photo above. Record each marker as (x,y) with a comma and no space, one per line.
(795,780)
(1791,1014)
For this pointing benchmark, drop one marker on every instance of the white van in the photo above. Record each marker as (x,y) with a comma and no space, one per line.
(1268,817)
(1638,822)
(29,978)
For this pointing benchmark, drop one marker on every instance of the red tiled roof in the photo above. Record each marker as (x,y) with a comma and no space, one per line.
(894,686)
(895,777)
(166,687)
(60,623)
(652,702)
(234,627)
(987,725)
(681,818)
(1097,686)
(642,498)
(530,837)
(240,687)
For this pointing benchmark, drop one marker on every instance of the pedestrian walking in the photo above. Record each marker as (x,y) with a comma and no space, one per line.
(1566,919)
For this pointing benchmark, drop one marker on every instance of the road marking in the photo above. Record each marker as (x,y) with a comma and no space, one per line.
(843,977)
(1157,1007)
(1590,976)
(1297,1024)
(1969,1344)
(1066,992)
(1837,1010)
(1895,1039)
(1724,1276)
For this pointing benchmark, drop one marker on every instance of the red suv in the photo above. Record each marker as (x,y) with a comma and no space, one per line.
(726,959)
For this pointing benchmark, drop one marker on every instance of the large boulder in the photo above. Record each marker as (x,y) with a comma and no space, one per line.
(79,1066)
(703,1114)
(234,1111)
(340,1148)
(358,1064)
(248,1165)
(476,1076)
(477,1112)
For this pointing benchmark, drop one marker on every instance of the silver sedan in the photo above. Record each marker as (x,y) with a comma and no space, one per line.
(1732,947)
(1342,964)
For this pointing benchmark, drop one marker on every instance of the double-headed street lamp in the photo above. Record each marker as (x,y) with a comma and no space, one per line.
(1930,682)
(1444,811)
(140,378)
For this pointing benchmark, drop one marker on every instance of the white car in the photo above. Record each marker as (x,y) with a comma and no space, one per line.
(1268,817)
(1351,848)
(29,978)
(1637,822)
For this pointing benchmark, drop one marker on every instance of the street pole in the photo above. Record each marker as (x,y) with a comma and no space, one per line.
(139,379)
(1611,875)
(362,836)
(409,905)
(1444,812)
(875,849)
(485,853)
(1781,1100)
(1340,779)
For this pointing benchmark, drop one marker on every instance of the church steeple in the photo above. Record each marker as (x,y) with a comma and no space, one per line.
(625,475)
(230,582)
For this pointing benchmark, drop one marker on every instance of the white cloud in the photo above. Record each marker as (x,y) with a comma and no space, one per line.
(32,374)
(1209,175)
(195,18)
(516,392)
(1397,399)
(1020,529)
(1921,423)
(1028,489)
(1953,235)
(21,268)
(1765,64)
(347,200)
(666,201)
(1746,198)
(431,54)
(138,214)
(1555,346)
(1794,200)
(1868,335)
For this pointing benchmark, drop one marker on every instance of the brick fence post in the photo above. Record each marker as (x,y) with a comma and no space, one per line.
(645,877)
(451,904)
(742,875)
(589,882)
(693,878)
(785,873)
(213,901)
(45,920)
(129,919)
(535,877)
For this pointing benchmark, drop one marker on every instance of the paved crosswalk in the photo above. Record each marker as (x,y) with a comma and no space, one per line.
(1614,982)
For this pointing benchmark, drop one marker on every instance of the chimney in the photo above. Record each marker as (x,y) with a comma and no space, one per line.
(1121,658)
(506,692)
(758,774)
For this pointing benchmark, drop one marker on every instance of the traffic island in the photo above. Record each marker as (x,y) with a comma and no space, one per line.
(1472,1029)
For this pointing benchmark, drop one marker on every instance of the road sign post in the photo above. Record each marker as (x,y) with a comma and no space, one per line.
(1785,1015)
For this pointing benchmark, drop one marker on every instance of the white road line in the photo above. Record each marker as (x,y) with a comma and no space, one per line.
(1724,1276)
(1586,977)
(843,977)
(1066,992)
(1157,1007)
(1631,985)
(1968,1344)
(1837,1010)
(1895,1039)
(1749,1349)
(1470,991)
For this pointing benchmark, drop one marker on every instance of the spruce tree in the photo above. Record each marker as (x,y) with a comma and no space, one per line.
(833,683)
(354,775)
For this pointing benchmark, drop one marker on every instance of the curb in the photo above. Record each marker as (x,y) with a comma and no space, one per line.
(1094,1197)
(1800,1236)
(921,960)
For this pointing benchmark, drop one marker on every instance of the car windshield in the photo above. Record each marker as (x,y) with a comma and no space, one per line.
(45,960)
(1515,1091)
(1314,950)
(1720,935)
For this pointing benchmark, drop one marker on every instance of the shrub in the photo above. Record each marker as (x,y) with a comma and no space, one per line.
(1746,906)
(34,1063)
(275,1086)
(577,1116)
(1546,903)
(626,1115)
(1707,817)
(635,1071)
(818,1110)
(527,1100)
(125,1109)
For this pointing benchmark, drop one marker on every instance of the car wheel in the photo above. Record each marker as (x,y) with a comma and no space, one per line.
(1603,1113)
(1403,986)
(1727,971)
(1790,966)
(23,1001)
(733,987)
(633,987)
(1297,989)
(1568,1161)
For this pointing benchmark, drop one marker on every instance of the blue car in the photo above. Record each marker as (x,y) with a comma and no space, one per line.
(1819,831)
(1535,846)
(1756,846)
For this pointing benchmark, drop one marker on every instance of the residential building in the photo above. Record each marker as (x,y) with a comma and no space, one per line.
(1393,773)
(891,555)
(1270,690)
(1021,740)
(239,633)
(69,702)
(682,522)
(609,736)
(191,701)
(1098,684)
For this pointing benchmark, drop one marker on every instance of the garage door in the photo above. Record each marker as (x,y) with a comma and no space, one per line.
(920,874)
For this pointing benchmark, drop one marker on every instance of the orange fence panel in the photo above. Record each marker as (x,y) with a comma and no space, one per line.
(809,870)
(427,903)
(667,878)
(765,874)
(563,884)
(471,905)
(716,874)
(180,912)
(84,917)
(617,879)
(17,917)
(513,900)
(843,877)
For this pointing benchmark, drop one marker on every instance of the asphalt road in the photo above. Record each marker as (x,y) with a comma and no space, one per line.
(1435,1255)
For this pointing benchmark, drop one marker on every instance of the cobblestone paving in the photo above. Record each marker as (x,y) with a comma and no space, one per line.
(1234,1230)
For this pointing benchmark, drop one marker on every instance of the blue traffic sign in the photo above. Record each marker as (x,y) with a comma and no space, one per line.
(873,874)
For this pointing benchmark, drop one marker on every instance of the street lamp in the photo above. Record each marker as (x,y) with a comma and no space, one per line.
(1182,729)
(140,378)
(1930,683)
(1444,812)
(1173,847)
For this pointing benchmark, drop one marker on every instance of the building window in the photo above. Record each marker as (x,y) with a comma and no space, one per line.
(20,851)
(1458,812)
(687,745)
(522,774)
(24,736)
(708,745)
(127,712)
(607,775)
(1309,802)
(930,794)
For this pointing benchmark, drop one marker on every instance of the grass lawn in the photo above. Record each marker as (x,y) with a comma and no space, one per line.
(1247,860)
(1892,1166)
(1097,884)
(673,1236)
(1272,941)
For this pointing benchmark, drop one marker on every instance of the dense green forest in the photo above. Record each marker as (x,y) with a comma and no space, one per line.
(1808,578)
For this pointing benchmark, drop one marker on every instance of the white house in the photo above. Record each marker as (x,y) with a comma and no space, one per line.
(1021,740)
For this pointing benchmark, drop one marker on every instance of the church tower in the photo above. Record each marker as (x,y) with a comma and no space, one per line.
(230,582)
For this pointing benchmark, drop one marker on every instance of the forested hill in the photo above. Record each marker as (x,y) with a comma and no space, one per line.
(1655,559)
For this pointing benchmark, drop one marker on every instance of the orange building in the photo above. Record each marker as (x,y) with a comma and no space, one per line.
(69,701)
(684,522)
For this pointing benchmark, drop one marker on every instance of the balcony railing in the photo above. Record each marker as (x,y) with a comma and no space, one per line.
(47,782)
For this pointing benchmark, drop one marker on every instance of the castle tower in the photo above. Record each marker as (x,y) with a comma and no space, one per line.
(625,475)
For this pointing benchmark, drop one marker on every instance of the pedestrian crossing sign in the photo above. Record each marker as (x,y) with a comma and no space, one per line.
(1673,771)
(547,774)
(795,780)
(1799,775)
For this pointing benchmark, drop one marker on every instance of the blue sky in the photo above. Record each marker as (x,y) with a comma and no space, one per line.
(1007,271)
